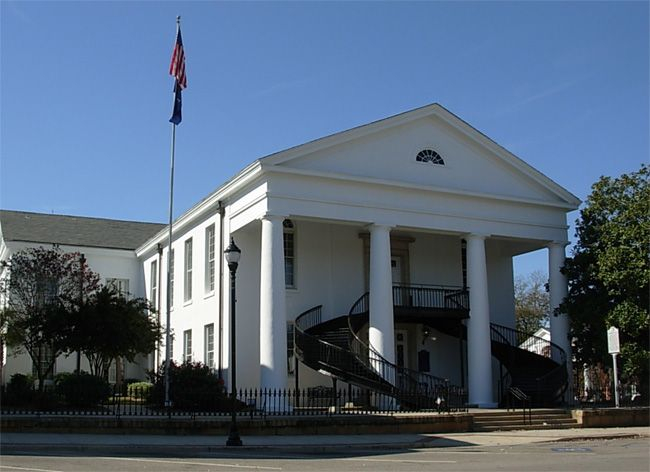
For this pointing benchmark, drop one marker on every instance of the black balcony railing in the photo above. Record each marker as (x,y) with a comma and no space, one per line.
(435,297)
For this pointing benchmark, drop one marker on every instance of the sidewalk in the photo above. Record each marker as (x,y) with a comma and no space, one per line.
(171,444)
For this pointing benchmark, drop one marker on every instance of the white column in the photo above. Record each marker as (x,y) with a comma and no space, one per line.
(381,332)
(273,311)
(558,289)
(479,350)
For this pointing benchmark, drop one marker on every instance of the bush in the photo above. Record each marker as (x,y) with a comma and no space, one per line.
(193,387)
(82,390)
(20,390)
(139,389)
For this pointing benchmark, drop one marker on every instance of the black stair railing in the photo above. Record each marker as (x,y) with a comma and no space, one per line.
(414,388)
(359,364)
(335,360)
(314,351)
(553,382)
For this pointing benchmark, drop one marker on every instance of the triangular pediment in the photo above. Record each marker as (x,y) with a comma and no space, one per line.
(462,160)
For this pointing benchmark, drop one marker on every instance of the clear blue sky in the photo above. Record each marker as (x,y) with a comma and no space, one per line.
(86,95)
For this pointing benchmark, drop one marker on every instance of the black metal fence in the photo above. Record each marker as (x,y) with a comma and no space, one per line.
(138,402)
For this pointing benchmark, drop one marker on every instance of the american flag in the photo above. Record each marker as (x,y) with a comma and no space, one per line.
(177,66)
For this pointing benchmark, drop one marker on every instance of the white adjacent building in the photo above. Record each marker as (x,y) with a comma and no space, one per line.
(108,247)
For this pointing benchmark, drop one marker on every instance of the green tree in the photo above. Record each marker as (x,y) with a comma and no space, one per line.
(109,326)
(531,302)
(609,275)
(44,289)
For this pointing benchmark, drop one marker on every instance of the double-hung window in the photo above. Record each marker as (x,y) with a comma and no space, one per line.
(209,259)
(289,254)
(187,345)
(153,283)
(208,340)
(188,271)
(121,286)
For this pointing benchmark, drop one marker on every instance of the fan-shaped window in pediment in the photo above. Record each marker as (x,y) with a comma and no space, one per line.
(429,155)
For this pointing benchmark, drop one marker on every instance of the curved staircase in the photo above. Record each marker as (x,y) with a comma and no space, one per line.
(334,348)
(535,366)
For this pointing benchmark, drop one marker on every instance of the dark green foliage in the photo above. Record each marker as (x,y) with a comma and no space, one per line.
(82,390)
(193,387)
(45,289)
(609,274)
(20,390)
(108,326)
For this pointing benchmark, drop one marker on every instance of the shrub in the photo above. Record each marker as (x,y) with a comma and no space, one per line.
(20,390)
(139,389)
(82,390)
(193,387)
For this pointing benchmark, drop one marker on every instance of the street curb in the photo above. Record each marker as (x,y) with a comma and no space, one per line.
(185,450)
(601,437)
(188,450)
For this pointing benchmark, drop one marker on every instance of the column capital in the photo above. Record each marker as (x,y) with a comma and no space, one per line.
(379,226)
(479,236)
(273,217)
(558,244)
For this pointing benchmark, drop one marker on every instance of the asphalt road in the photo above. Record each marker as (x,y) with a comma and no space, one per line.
(622,455)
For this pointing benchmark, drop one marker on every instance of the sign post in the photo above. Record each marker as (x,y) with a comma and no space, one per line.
(613,346)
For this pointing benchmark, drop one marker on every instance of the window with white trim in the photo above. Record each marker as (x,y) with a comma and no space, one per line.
(153,284)
(208,340)
(209,259)
(289,254)
(290,347)
(187,345)
(463,261)
(121,286)
(187,291)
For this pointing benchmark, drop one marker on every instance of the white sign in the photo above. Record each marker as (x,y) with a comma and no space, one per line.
(613,346)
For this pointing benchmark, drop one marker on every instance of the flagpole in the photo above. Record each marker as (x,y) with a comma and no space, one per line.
(169,273)
(168,346)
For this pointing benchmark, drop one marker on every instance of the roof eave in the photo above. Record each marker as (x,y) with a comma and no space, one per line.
(221,194)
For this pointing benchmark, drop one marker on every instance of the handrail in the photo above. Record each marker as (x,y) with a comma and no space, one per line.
(403,380)
(517,394)
(309,318)
(329,353)
(517,339)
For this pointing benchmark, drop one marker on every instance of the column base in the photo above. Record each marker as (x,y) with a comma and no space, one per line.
(483,405)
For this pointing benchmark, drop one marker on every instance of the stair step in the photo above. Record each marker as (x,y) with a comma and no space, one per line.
(514,420)
(515,427)
(521,421)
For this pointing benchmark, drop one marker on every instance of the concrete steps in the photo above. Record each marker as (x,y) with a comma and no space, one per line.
(502,420)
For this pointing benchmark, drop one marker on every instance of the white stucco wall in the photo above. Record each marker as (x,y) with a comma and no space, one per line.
(436,260)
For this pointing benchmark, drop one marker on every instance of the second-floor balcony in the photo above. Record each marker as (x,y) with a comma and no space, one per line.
(435,301)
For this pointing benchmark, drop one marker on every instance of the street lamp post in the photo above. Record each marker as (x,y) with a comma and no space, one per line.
(232,254)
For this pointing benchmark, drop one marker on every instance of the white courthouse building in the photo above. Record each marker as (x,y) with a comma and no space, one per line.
(410,224)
